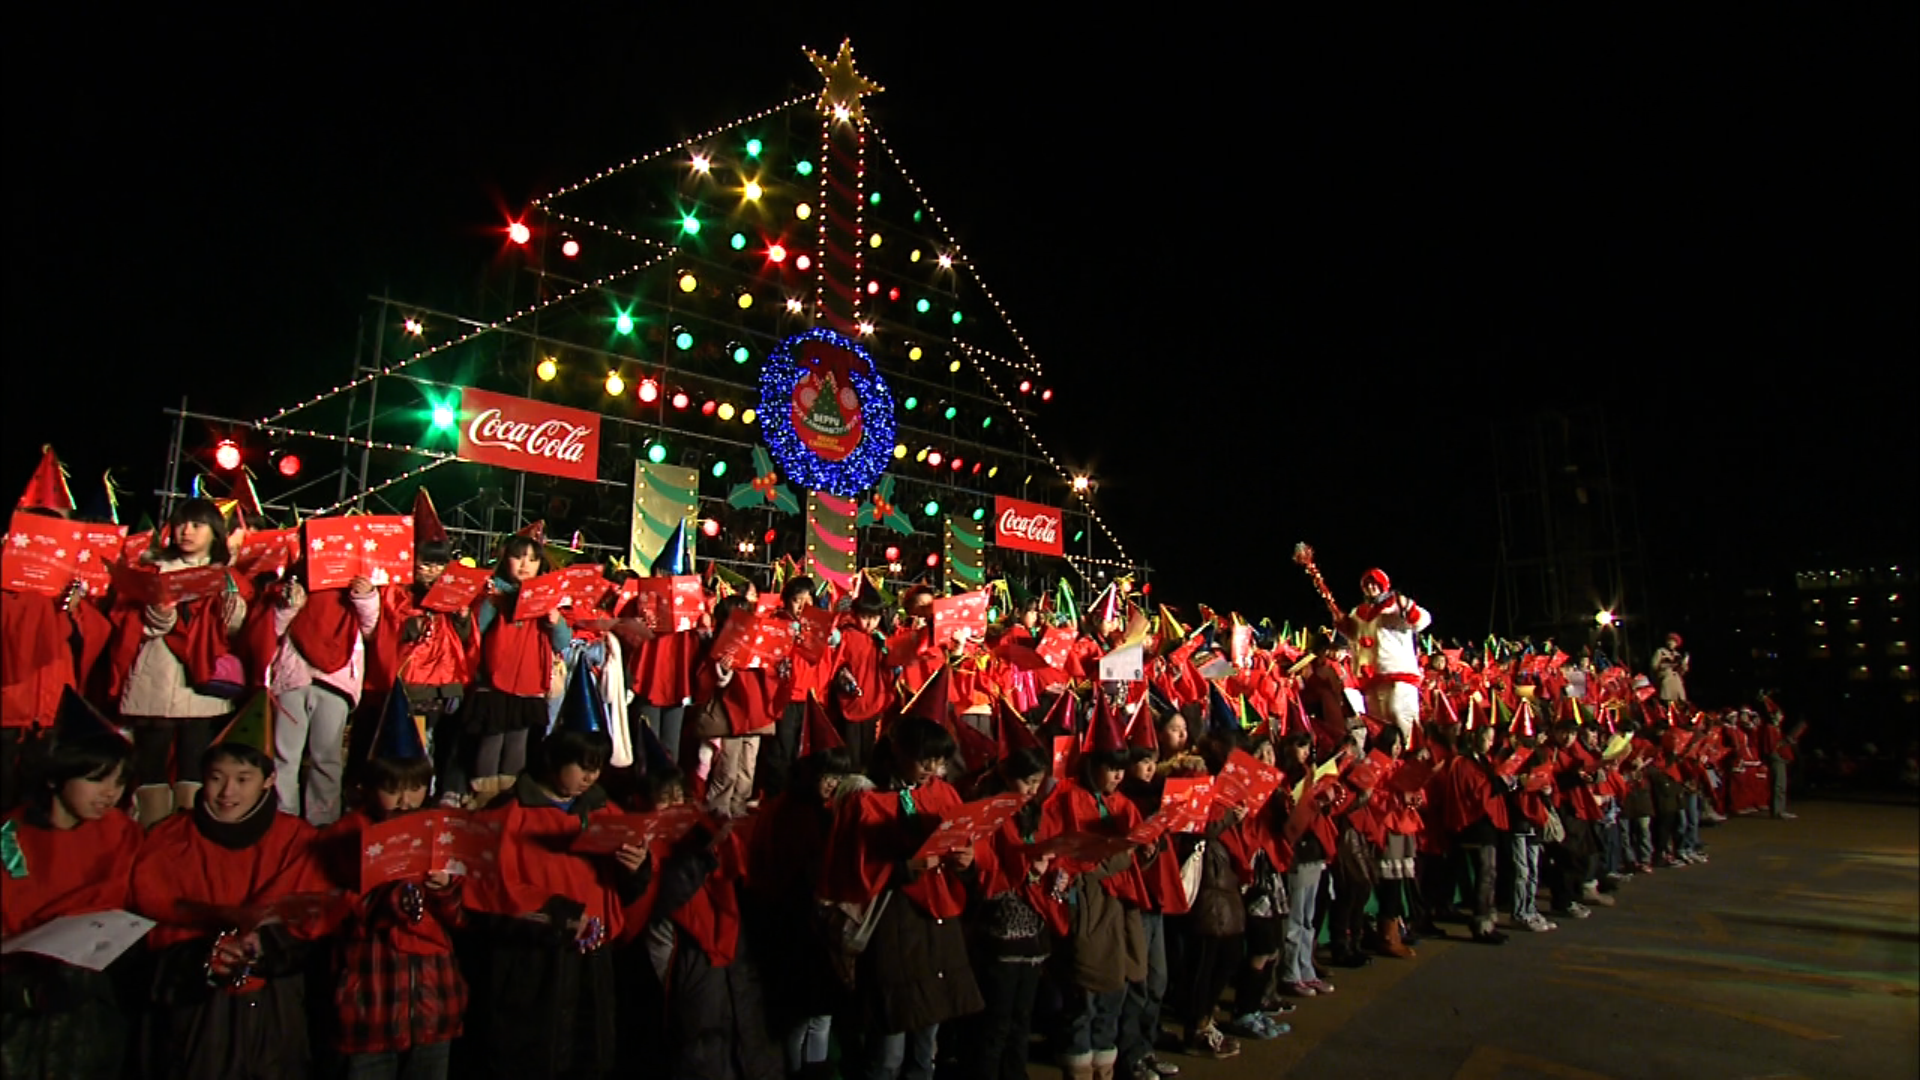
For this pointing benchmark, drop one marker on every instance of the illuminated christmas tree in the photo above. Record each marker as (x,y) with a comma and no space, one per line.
(782,339)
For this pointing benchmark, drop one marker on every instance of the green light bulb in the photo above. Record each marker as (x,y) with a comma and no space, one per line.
(442,417)
(804,168)
(719,469)
(741,355)
(956,318)
(690,225)
(916,215)
(912,403)
(1078,535)
(986,421)
(683,341)
(932,508)
(738,243)
(979,513)
(753,147)
(657,453)
(874,199)
(952,412)
(923,305)
(623,323)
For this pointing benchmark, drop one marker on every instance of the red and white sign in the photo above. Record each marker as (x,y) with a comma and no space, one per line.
(379,549)
(952,614)
(1025,526)
(47,555)
(759,642)
(670,605)
(532,436)
(578,587)
(266,552)
(458,587)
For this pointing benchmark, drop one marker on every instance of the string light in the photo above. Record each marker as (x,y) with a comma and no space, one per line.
(681,145)
(954,255)
(414,327)
(487,328)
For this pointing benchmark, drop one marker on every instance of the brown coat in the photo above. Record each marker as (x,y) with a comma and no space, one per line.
(1108,941)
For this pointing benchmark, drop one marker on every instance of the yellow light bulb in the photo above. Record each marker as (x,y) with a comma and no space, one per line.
(915,257)
(747,416)
(875,241)
(726,411)
(921,456)
(688,283)
(954,367)
(803,211)
(745,301)
(913,353)
(993,472)
(899,451)
(547,370)
(615,384)
(753,190)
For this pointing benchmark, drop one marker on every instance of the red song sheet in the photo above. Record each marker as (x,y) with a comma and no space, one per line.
(669,605)
(970,824)
(1410,776)
(47,555)
(607,834)
(267,552)
(952,614)
(1538,778)
(143,585)
(1245,782)
(1055,646)
(1091,849)
(457,588)
(1184,805)
(379,549)
(760,642)
(816,629)
(580,587)
(427,842)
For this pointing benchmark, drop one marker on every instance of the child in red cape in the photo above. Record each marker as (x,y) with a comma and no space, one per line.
(68,851)
(863,687)
(399,996)
(1019,918)
(913,973)
(543,982)
(1109,945)
(1474,811)
(228,996)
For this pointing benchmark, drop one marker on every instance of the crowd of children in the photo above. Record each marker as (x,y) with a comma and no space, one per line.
(737,871)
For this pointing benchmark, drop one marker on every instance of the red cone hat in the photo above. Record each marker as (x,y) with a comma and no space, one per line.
(426,521)
(48,488)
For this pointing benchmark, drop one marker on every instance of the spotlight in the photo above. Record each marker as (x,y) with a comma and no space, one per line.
(226,454)
(519,233)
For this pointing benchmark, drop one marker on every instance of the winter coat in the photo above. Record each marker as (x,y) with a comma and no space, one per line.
(157,684)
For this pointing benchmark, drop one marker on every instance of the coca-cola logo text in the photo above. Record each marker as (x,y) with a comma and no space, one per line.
(554,439)
(1025,526)
(1039,528)
(534,436)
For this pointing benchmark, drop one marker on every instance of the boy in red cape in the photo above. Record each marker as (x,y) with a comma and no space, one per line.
(1473,808)
(863,688)
(914,974)
(542,978)
(399,997)
(228,997)
(431,652)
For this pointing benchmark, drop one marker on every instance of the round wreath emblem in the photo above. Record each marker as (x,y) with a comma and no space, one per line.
(825,413)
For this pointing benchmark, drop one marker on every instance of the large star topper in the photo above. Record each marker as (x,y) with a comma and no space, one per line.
(845,86)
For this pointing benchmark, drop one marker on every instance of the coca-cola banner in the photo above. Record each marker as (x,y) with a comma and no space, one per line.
(533,436)
(1025,526)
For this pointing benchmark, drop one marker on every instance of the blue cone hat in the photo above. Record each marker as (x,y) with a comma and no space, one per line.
(674,560)
(582,711)
(402,736)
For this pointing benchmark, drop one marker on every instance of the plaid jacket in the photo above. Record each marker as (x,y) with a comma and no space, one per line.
(399,984)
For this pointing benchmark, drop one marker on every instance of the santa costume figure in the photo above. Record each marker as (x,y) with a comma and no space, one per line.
(1383,632)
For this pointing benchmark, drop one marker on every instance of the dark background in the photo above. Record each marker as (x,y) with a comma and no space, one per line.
(1285,277)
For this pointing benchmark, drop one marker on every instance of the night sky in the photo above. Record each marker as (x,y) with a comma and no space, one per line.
(1285,278)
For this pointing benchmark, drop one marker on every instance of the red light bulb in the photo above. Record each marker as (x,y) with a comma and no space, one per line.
(710,408)
(571,249)
(289,465)
(1046,395)
(803,262)
(933,560)
(519,233)
(649,391)
(710,528)
(681,401)
(1026,387)
(956,464)
(934,459)
(873,288)
(778,253)
(227,455)
(893,554)
(893,295)
(772,535)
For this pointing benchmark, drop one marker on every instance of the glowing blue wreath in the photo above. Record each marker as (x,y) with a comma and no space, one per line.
(858,471)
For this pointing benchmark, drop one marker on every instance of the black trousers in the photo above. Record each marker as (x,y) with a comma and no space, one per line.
(1211,963)
(997,1049)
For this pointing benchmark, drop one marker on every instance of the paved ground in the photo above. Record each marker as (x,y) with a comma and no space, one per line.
(1795,953)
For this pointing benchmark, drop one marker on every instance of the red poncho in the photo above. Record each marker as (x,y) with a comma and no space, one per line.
(178,862)
(873,837)
(76,871)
